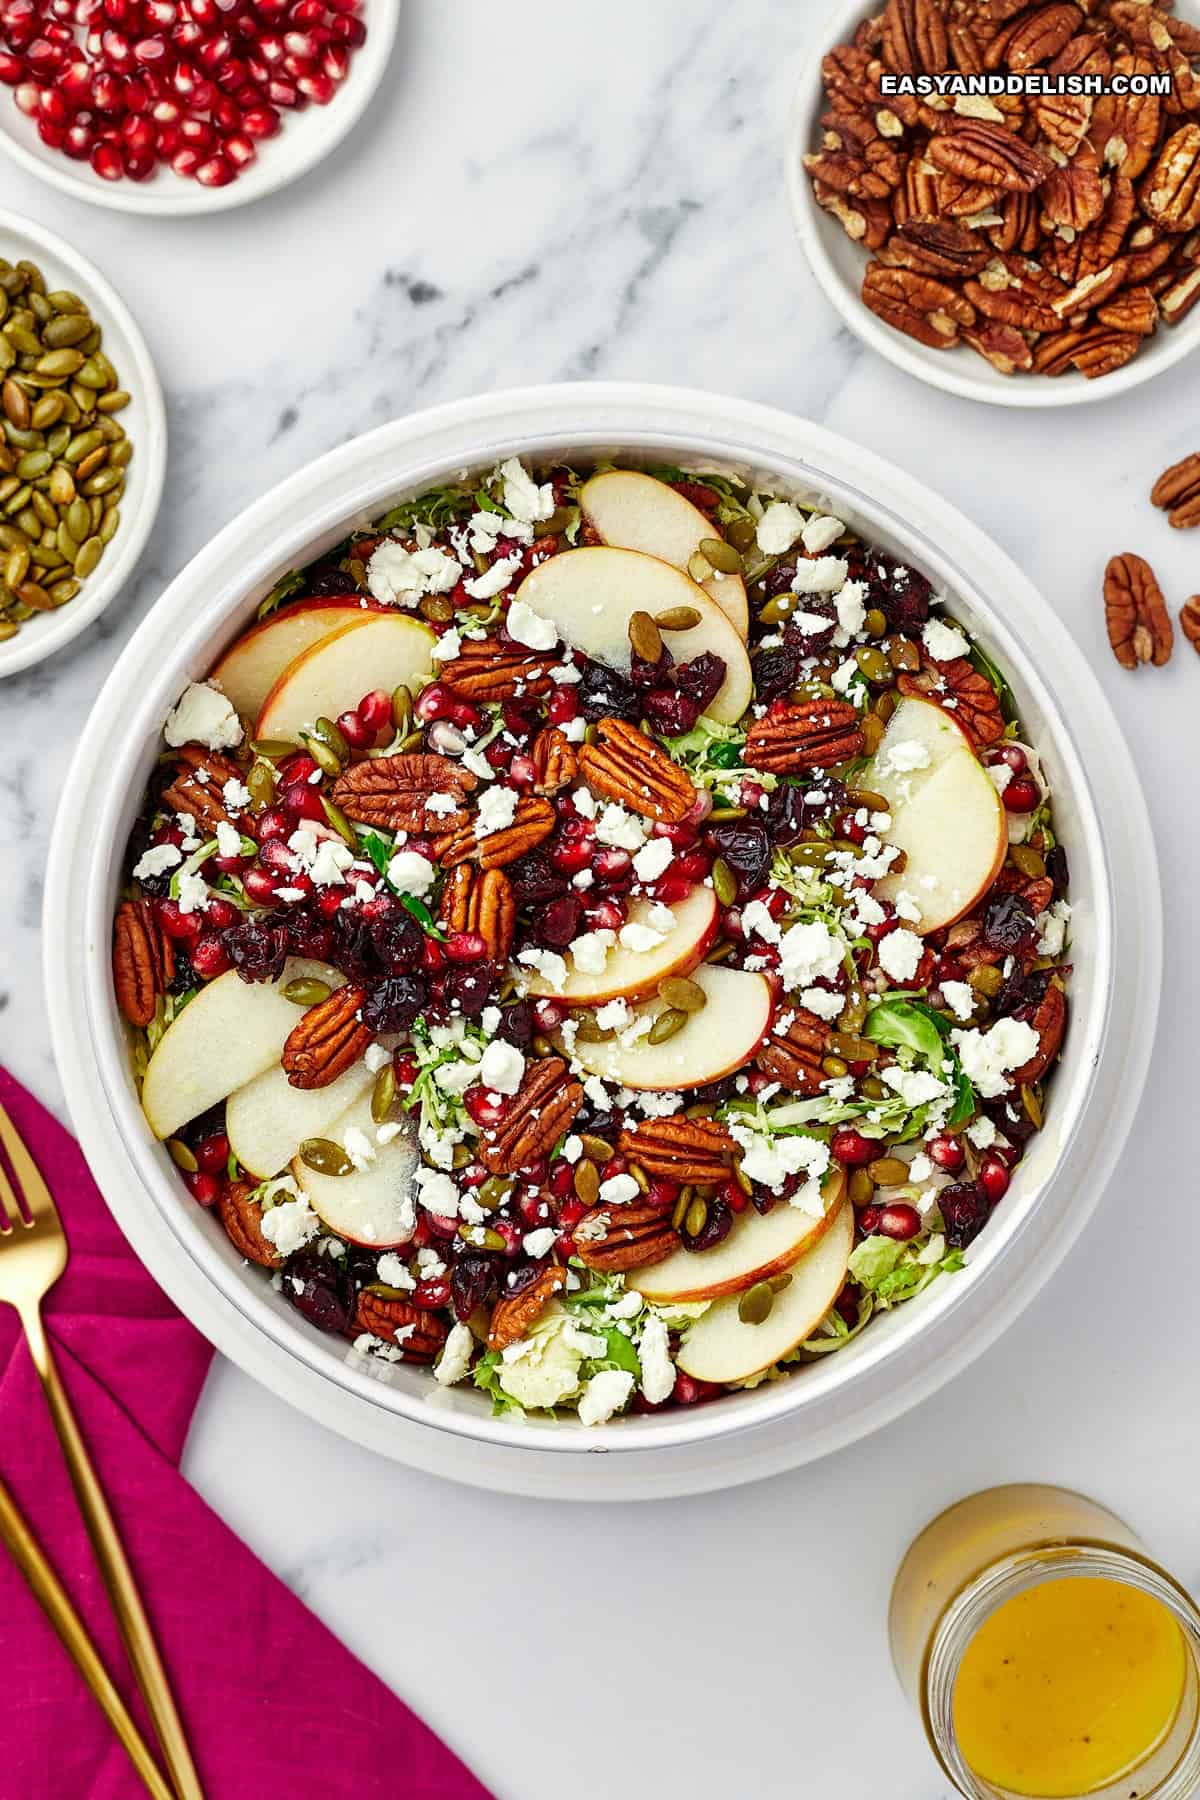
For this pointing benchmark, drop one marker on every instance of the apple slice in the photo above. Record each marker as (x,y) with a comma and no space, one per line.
(229,1033)
(267,1120)
(759,1246)
(721,1347)
(946,815)
(590,595)
(382,650)
(631,974)
(250,667)
(372,1206)
(720,1038)
(638,512)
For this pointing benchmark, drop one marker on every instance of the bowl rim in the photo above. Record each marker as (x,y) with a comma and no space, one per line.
(296,1363)
(182,199)
(53,630)
(953,371)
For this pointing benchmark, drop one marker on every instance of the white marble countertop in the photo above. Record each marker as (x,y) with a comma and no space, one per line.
(623,214)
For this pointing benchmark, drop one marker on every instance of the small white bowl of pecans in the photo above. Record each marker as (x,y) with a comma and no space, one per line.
(984,228)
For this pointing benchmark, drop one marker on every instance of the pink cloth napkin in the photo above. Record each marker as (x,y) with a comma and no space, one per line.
(275,1708)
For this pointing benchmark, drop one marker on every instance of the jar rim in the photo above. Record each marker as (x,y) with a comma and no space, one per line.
(1016,1573)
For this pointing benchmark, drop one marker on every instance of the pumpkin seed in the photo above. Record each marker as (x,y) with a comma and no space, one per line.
(34,595)
(16,404)
(667,1024)
(331,734)
(684,996)
(903,655)
(1031,1101)
(273,749)
(875,624)
(596,1149)
(402,710)
(59,364)
(115,401)
(306,990)
(66,331)
(383,1094)
(496,1191)
(873,664)
(724,882)
(587,1181)
(860,1187)
(722,555)
(888,1171)
(339,822)
(754,1307)
(482,1237)
(181,1156)
(16,567)
(88,556)
(8,629)
(644,637)
(96,460)
(104,482)
(696,1217)
(699,568)
(686,1196)
(834,1067)
(720,815)
(986,980)
(854,1048)
(110,520)
(776,611)
(1031,862)
(872,730)
(856,797)
(677,618)
(326,759)
(325,1157)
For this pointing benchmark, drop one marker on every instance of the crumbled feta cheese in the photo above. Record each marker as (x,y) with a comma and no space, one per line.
(959,997)
(808,953)
(590,949)
(844,674)
(988,1057)
(999,774)
(455,1360)
(920,1168)
(549,964)
(195,897)
(916,1087)
(229,839)
(640,938)
(821,531)
(945,643)
(759,921)
(393,1272)
(654,1355)
(411,873)
(526,627)
(613,1016)
(605,1394)
(290,1226)
(524,498)
(359,1148)
(441,805)
(982,1133)
(540,1242)
(653,859)
(205,716)
(822,1002)
(235,795)
(904,757)
(400,577)
(624,830)
(572,1148)
(771,1161)
(156,861)
(618,1189)
(779,528)
(496,811)
(900,953)
(501,1067)
(436,1192)
(448,646)
(390,1129)
(1052,925)
(823,575)
(494,580)
(850,603)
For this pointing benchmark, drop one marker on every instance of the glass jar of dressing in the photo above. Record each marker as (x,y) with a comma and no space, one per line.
(1047,1655)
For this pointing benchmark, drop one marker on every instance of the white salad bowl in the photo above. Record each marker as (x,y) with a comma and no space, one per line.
(839,264)
(904,1355)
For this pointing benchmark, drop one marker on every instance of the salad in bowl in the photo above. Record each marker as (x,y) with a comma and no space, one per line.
(599,933)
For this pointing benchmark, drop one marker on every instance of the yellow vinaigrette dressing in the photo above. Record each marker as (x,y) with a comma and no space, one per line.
(1068,1685)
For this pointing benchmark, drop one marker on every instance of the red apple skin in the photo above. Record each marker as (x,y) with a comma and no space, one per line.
(778,1265)
(739,1062)
(691,960)
(319,603)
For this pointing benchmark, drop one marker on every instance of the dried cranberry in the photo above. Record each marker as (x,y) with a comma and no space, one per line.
(517,1024)
(791,810)
(184,976)
(746,849)
(321,1298)
(1057,870)
(331,580)
(534,879)
(964,1210)
(900,593)
(474,1282)
(779,579)
(1021,994)
(1009,926)
(646,675)
(701,678)
(256,950)
(603,694)
(309,934)
(397,941)
(394,1003)
(523,1276)
(468,990)
(670,712)
(558,923)
(717,1225)
(776,672)
(810,639)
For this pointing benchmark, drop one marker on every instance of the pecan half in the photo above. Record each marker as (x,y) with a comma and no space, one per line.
(533,820)
(555,763)
(485,669)
(481,900)
(866,222)
(534,1119)
(616,1238)
(196,785)
(1125,127)
(1039,35)
(1006,348)
(1135,309)
(143,961)
(816,734)
(1139,625)
(394,792)
(418,1334)
(679,1149)
(962,690)
(918,305)
(1050,1022)
(792,1054)
(937,247)
(1171,191)
(513,1314)
(1176,302)
(1094,352)
(329,1037)
(991,156)
(914,37)
(1177,492)
(1072,197)
(1189,621)
(627,766)
(242,1218)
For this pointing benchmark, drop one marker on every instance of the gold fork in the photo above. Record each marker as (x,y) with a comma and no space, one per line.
(33,1254)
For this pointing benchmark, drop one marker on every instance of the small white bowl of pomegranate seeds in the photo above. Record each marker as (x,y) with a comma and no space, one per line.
(185,106)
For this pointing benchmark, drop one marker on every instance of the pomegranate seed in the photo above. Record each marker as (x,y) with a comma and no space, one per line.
(994,1177)
(570,1213)
(230,75)
(186,35)
(270,48)
(663,1193)
(465,716)
(282,93)
(203,1187)
(375,711)
(690,1392)
(212,1153)
(465,947)
(259,884)
(186,160)
(604,915)
(44,56)
(562,1180)
(352,32)
(209,958)
(277,857)
(74,82)
(107,92)
(1022,795)
(946,1152)
(570,858)
(139,134)
(28,98)
(198,133)
(54,136)
(226,114)
(108,162)
(899,1221)
(681,835)
(274,823)
(240,150)
(221,913)
(317,87)
(1014,758)
(151,51)
(562,706)
(349,724)
(161,13)
(177,924)
(734,1195)
(262,122)
(299,766)
(406,1069)
(868,1219)
(335,62)
(484,1107)
(166,112)
(295,66)
(329,902)
(300,798)
(548,1015)
(431,956)
(616,1165)
(671,889)
(612,866)
(80,138)
(522,771)
(693,865)
(13,70)
(214,51)
(852,1149)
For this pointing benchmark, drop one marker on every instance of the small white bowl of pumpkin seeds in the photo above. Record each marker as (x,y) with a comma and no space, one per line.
(83,443)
